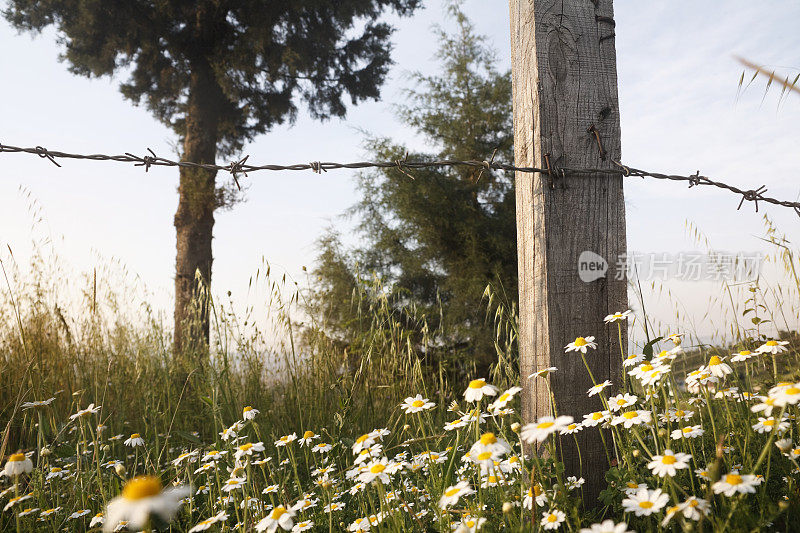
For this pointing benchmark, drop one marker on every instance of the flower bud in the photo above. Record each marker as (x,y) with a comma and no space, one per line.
(507,507)
(662,433)
(783,505)
(106,448)
(515,427)
(635,453)
(44,452)
(120,469)
(406,427)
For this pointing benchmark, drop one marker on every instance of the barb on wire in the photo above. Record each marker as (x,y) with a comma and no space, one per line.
(242,167)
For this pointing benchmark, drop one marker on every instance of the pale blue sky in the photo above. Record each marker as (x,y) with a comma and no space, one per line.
(678,84)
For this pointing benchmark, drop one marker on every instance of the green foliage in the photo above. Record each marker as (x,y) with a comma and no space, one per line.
(262,56)
(436,237)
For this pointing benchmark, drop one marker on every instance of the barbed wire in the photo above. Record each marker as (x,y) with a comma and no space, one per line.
(241,166)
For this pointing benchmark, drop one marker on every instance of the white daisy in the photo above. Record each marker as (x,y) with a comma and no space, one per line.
(286,439)
(503,399)
(308,438)
(592,419)
(477,389)
(416,404)
(598,388)
(208,522)
(249,413)
(668,463)
(248,449)
(544,427)
(620,401)
(607,526)
(632,418)
(742,356)
(580,344)
(688,432)
(451,494)
(786,395)
(645,502)
(734,482)
(543,373)
(17,464)
(553,519)
(765,425)
(90,409)
(773,347)
(618,316)
(142,497)
(280,516)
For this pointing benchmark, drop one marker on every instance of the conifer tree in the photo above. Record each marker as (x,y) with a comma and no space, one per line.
(220,72)
(437,240)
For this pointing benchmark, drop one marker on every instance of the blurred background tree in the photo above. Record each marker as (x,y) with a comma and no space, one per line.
(219,73)
(431,240)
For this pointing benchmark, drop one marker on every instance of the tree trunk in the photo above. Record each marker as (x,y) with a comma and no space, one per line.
(194,220)
(566,115)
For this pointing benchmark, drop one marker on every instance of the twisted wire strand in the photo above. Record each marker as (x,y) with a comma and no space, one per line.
(242,167)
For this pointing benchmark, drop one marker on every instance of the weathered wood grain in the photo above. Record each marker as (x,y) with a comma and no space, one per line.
(565,82)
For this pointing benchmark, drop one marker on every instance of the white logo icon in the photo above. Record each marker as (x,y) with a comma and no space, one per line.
(591,266)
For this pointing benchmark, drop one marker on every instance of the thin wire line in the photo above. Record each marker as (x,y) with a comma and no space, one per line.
(242,167)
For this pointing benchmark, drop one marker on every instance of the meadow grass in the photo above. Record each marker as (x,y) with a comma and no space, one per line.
(102,424)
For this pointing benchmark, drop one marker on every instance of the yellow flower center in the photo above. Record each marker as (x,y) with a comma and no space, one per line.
(278,512)
(537,490)
(680,412)
(597,415)
(362,438)
(647,367)
(141,487)
(247,409)
(687,429)
(308,434)
(745,352)
(580,341)
(417,403)
(572,426)
(377,468)
(484,456)
(488,438)
(470,523)
(491,479)
(16,457)
(246,446)
(769,422)
(630,414)
(646,504)
(545,425)
(621,401)
(770,401)
(136,436)
(733,479)
(772,343)
(477,383)
(714,361)
(693,503)
(452,492)
(552,518)
(55,469)
(632,485)
(503,397)
(792,390)
(669,460)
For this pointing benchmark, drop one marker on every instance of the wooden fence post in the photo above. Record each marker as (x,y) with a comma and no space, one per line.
(566,114)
